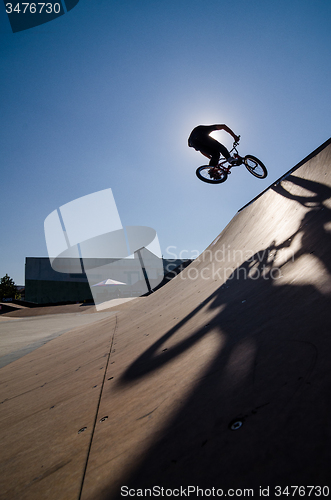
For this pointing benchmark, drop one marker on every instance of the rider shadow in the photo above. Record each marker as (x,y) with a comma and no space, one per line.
(259,377)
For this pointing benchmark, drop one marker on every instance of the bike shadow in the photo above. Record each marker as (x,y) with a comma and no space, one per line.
(315,226)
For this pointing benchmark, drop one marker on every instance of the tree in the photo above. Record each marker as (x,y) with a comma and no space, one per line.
(7,288)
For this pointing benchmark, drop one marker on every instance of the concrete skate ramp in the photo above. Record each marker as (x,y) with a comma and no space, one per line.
(221,379)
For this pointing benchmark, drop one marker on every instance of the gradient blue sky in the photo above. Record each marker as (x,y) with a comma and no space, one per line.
(106,96)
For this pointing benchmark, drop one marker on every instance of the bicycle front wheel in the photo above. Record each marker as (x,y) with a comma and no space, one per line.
(255,166)
(206,174)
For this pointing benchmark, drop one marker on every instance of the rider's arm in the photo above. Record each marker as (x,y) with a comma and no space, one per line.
(228,130)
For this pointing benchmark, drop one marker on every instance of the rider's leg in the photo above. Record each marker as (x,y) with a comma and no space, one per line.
(215,158)
(212,149)
(213,155)
(216,148)
(224,152)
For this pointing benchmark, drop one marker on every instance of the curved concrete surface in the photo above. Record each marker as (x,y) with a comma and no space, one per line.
(220,379)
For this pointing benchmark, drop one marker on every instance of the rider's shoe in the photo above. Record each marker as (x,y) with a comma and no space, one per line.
(234,161)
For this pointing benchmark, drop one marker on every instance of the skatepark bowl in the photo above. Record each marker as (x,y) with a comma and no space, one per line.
(220,379)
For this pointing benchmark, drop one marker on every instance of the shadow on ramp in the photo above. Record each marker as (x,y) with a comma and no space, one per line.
(257,415)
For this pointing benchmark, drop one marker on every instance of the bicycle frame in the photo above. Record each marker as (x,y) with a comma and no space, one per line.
(223,160)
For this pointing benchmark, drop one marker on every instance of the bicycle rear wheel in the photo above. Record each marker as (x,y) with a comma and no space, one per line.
(255,166)
(204,174)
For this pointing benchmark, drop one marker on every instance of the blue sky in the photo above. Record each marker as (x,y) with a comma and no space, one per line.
(106,96)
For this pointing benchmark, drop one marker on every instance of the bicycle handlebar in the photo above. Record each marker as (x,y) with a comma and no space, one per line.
(235,144)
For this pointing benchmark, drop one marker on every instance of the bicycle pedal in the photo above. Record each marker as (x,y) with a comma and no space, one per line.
(214,173)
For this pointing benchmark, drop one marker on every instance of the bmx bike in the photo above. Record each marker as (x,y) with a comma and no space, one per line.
(218,174)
